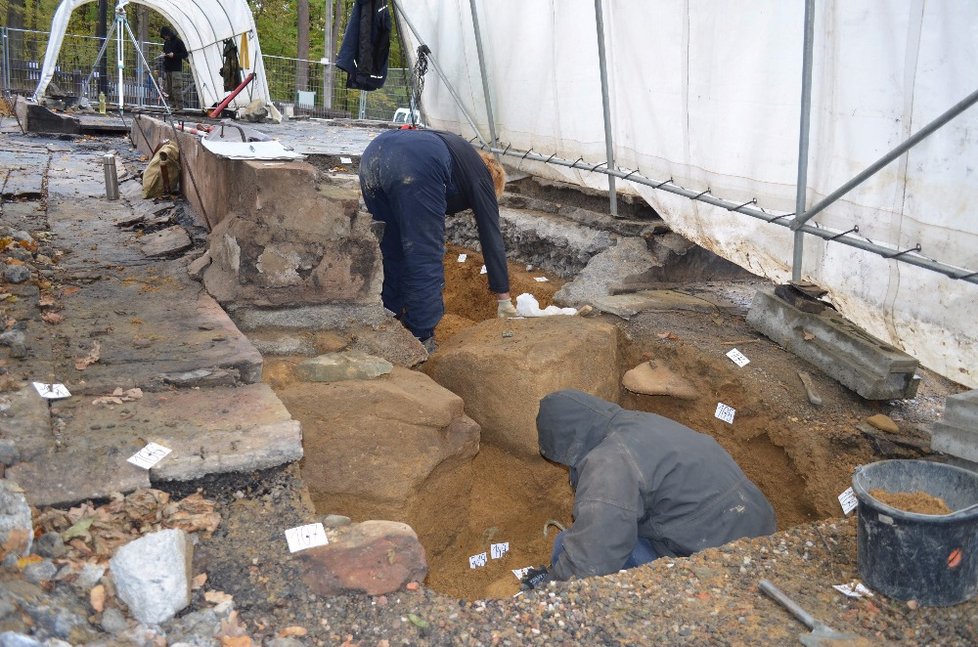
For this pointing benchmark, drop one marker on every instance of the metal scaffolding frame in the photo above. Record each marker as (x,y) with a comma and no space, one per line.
(796,221)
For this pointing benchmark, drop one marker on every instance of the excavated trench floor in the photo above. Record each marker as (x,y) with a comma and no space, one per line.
(799,455)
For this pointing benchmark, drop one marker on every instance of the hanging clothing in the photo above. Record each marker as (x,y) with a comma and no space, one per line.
(366,45)
(231,71)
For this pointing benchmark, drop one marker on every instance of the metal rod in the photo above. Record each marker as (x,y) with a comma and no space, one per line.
(606,107)
(912,141)
(804,128)
(120,61)
(482,71)
(825,234)
(440,73)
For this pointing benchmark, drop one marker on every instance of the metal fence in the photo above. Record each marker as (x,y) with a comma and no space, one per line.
(299,87)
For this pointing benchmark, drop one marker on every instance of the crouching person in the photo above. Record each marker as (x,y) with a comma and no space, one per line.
(645,487)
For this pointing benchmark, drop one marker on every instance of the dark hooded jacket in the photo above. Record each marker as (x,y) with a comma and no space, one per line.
(640,474)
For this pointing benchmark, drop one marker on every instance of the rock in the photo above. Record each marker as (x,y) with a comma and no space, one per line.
(152,575)
(16,341)
(166,241)
(346,365)
(203,623)
(284,642)
(16,273)
(58,621)
(22,236)
(197,266)
(113,621)
(50,544)
(502,368)
(14,639)
(40,571)
(336,521)
(16,531)
(89,576)
(373,557)
(9,454)
(653,378)
(883,423)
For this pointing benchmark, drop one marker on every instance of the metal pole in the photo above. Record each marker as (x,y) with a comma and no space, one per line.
(482,71)
(911,257)
(120,17)
(914,139)
(328,57)
(606,106)
(6,58)
(801,187)
(362,113)
(441,75)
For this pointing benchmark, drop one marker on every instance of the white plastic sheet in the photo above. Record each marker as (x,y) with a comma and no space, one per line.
(707,92)
(202,26)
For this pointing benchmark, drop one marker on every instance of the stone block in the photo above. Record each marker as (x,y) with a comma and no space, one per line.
(152,575)
(961,410)
(502,368)
(16,531)
(346,365)
(955,441)
(869,366)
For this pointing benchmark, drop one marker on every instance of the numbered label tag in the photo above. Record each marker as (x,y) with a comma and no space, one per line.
(498,550)
(848,501)
(462,257)
(52,391)
(738,358)
(853,590)
(346,160)
(520,573)
(477,561)
(482,270)
(725,412)
(540,279)
(149,455)
(308,536)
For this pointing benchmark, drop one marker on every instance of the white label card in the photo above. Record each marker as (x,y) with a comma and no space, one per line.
(149,455)
(346,160)
(853,590)
(725,412)
(483,270)
(462,257)
(848,501)
(498,550)
(738,358)
(51,391)
(540,279)
(477,561)
(520,573)
(308,536)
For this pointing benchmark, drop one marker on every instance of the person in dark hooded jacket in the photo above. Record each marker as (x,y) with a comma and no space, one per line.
(645,487)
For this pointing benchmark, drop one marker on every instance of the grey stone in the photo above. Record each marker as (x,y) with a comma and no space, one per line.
(284,642)
(197,628)
(9,454)
(167,241)
(320,317)
(961,410)
(40,571)
(50,544)
(19,253)
(22,236)
(955,441)
(284,344)
(197,266)
(336,521)
(14,639)
(630,256)
(16,273)
(152,575)
(16,341)
(113,621)
(6,608)
(89,576)
(16,531)
(54,621)
(345,365)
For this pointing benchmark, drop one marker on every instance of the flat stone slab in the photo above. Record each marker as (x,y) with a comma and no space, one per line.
(166,241)
(207,430)
(629,305)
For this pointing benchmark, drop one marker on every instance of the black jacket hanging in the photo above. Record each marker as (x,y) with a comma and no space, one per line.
(231,72)
(366,45)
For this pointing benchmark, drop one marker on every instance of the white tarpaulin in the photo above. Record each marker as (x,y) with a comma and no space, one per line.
(707,92)
(202,25)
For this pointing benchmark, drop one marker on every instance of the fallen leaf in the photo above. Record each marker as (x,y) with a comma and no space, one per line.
(52,317)
(79,529)
(217,597)
(23,562)
(808,336)
(293,630)
(96,598)
(70,290)
(14,261)
(668,335)
(45,300)
(417,621)
(198,581)
(236,641)
(82,363)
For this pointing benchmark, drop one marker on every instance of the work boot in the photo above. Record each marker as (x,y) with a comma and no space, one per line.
(429,344)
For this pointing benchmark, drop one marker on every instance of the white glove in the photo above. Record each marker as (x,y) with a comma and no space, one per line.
(505,309)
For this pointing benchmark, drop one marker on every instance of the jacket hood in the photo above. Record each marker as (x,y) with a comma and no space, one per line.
(572,423)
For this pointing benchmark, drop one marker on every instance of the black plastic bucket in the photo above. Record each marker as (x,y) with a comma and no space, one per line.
(932,559)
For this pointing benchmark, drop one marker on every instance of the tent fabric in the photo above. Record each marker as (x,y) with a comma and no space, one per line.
(708,93)
(202,25)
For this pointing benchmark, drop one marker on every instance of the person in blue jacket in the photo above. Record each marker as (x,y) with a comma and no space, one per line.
(410,179)
(645,487)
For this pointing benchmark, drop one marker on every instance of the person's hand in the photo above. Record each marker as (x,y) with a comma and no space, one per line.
(505,309)
(536,578)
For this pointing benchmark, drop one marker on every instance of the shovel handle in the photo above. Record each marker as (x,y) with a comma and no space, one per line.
(788,603)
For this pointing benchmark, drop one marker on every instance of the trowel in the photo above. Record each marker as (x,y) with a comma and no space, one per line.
(821,635)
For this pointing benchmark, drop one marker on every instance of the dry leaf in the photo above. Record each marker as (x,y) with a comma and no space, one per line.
(199,581)
(96,598)
(293,630)
(808,336)
(68,291)
(236,641)
(52,317)
(13,261)
(93,355)
(668,335)
(23,562)
(217,597)
(232,627)
(45,301)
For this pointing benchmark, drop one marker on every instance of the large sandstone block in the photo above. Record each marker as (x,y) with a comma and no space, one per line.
(502,368)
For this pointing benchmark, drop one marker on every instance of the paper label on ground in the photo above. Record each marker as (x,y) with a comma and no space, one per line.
(725,412)
(738,358)
(149,455)
(848,501)
(308,536)
(540,279)
(477,561)
(520,573)
(346,160)
(52,391)
(462,257)
(498,550)
(483,270)
(853,590)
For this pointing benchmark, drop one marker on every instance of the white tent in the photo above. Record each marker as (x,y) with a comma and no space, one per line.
(708,93)
(202,25)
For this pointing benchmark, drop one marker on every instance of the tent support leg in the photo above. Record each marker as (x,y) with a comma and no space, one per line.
(801,187)
(606,108)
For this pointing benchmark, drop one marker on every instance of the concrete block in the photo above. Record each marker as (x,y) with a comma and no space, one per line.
(961,410)
(955,441)
(869,366)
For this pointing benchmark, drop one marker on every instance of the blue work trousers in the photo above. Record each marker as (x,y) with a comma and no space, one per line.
(405,177)
(642,553)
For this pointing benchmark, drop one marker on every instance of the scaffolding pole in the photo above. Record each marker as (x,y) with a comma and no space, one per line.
(606,108)
(482,72)
(804,128)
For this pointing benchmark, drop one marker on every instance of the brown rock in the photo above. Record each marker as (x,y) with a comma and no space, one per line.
(652,378)
(373,557)
(883,423)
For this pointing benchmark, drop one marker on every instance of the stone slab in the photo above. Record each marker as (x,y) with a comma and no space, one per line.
(961,410)
(629,305)
(955,441)
(25,422)
(869,366)
(167,241)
